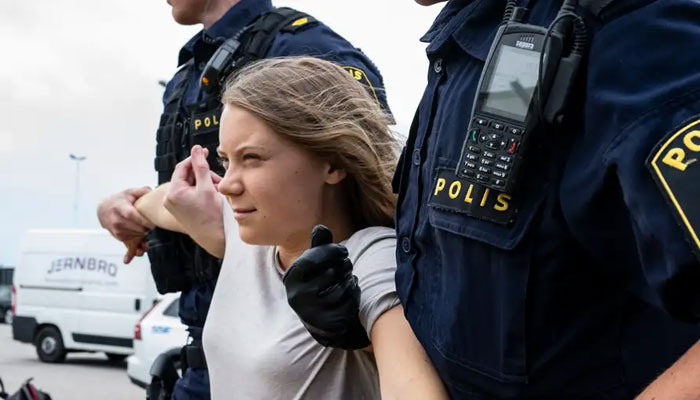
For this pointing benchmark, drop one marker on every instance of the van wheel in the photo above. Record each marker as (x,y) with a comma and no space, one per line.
(116,358)
(49,345)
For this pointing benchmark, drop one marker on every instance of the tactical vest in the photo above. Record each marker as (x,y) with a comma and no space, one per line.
(176,261)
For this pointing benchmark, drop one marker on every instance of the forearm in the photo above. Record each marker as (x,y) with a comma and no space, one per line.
(209,236)
(680,382)
(151,207)
(405,371)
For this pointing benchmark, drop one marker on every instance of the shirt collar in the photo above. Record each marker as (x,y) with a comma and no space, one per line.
(470,23)
(205,42)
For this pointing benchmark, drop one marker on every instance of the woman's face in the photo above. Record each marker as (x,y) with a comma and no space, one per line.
(275,187)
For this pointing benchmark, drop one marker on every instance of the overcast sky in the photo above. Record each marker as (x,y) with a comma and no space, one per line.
(80,76)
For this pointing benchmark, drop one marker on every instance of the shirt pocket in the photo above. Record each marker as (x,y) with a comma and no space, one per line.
(482,273)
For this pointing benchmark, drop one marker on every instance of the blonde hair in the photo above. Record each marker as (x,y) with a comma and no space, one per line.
(322,108)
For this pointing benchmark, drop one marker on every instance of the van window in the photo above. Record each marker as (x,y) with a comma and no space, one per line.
(173,309)
(6,276)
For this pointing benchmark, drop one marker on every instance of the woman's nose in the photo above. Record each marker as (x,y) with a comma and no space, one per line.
(230,185)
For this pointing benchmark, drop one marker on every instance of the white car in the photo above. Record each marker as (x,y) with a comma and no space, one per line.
(158,331)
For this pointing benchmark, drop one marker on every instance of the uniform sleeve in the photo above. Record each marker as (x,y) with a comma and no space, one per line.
(644,91)
(375,268)
(320,41)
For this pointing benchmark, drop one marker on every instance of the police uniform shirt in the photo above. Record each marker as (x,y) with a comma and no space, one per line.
(569,299)
(312,39)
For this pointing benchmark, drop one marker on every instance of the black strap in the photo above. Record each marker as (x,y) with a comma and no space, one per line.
(596,7)
(262,32)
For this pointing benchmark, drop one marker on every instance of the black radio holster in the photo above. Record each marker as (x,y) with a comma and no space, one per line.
(168,263)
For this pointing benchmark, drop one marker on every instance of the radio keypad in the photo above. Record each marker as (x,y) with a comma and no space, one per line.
(490,155)
(497,126)
(481,121)
(505,159)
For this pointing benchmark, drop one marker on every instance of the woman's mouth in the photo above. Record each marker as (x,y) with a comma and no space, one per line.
(241,213)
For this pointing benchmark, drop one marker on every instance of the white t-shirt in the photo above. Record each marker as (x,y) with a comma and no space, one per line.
(256,346)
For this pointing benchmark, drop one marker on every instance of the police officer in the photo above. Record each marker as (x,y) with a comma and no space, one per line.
(574,285)
(191,117)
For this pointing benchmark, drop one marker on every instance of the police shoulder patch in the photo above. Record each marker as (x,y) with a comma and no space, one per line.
(361,76)
(674,165)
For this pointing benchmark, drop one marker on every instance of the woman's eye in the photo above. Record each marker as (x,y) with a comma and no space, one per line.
(251,156)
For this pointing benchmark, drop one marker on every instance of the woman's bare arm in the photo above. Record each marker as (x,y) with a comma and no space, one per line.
(151,207)
(405,371)
(680,382)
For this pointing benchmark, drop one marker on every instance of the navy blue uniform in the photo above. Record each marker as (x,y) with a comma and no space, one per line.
(316,39)
(572,298)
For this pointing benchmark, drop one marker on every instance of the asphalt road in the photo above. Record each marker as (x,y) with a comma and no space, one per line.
(83,376)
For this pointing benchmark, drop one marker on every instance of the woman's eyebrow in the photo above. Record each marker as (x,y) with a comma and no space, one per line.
(249,147)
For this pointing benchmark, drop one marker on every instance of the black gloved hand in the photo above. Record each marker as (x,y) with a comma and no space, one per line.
(324,293)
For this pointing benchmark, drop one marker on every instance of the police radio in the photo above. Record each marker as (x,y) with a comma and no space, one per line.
(220,65)
(525,83)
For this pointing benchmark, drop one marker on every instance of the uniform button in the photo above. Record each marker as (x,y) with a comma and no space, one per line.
(416,157)
(437,66)
(202,65)
(406,245)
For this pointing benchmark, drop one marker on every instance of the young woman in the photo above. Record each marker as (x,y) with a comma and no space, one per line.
(303,143)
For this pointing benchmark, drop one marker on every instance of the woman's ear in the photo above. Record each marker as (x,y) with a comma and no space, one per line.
(334,175)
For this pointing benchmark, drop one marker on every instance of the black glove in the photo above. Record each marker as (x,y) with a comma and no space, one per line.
(324,293)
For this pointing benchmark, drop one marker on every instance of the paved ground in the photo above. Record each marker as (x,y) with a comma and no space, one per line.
(83,376)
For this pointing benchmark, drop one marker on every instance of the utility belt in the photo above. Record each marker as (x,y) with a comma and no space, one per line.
(177,262)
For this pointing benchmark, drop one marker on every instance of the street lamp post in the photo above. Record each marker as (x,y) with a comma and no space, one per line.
(76,195)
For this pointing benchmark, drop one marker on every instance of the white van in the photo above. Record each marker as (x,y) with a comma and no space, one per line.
(74,293)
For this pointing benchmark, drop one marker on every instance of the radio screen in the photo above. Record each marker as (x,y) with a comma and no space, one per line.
(512,83)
